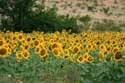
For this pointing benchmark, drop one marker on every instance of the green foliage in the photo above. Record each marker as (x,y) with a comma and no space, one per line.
(85,19)
(57,70)
(106,25)
(91,8)
(14,12)
(18,15)
(36,70)
(102,72)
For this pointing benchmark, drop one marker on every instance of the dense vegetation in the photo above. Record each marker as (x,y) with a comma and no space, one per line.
(39,46)
(19,15)
(88,57)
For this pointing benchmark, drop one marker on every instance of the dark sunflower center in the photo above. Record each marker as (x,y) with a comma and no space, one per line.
(1,43)
(118,56)
(56,52)
(3,51)
(80,59)
(42,52)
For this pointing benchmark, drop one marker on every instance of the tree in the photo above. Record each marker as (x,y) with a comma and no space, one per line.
(15,12)
(19,15)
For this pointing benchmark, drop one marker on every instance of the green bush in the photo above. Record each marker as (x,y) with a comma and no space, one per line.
(106,25)
(18,15)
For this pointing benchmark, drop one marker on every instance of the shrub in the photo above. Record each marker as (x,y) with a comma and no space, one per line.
(19,15)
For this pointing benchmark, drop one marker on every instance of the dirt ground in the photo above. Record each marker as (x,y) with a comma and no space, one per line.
(98,9)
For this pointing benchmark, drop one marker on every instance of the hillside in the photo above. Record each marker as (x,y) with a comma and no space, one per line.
(98,9)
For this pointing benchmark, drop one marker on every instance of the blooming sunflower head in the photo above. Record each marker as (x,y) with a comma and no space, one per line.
(26,54)
(3,52)
(118,56)
(80,59)
(43,52)
(90,59)
(56,52)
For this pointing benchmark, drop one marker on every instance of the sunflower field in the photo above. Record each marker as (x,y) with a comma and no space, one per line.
(62,57)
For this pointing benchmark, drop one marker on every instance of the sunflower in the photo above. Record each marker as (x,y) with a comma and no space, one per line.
(80,59)
(14,37)
(3,52)
(36,43)
(76,49)
(37,49)
(23,41)
(118,56)
(108,48)
(115,49)
(20,36)
(44,57)
(18,60)
(56,52)
(56,45)
(26,47)
(113,42)
(98,42)
(28,39)
(72,58)
(102,47)
(101,55)
(14,46)
(26,54)
(2,42)
(85,55)
(66,54)
(90,47)
(43,52)
(90,59)
(109,58)
(19,55)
